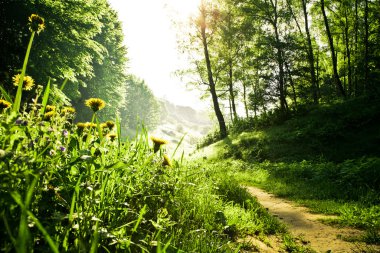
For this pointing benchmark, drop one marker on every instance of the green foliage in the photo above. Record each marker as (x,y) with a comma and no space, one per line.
(336,132)
(141,107)
(82,42)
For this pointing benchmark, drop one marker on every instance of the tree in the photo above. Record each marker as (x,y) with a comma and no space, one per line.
(198,44)
(141,107)
(109,81)
(332,50)
(82,43)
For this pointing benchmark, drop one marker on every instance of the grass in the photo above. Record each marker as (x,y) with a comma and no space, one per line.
(326,158)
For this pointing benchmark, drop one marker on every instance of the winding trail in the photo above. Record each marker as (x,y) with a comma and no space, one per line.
(303,224)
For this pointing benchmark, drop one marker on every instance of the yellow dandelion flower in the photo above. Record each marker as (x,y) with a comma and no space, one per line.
(167,161)
(50,108)
(103,125)
(28,81)
(110,124)
(36,23)
(81,125)
(90,125)
(4,104)
(112,136)
(68,110)
(49,115)
(95,104)
(157,142)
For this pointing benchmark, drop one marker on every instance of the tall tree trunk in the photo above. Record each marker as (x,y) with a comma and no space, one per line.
(231,89)
(218,112)
(245,99)
(292,84)
(366,48)
(348,53)
(310,55)
(356,56)
(280,61)
(338,83)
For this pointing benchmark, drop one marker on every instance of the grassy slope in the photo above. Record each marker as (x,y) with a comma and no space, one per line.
(327,158)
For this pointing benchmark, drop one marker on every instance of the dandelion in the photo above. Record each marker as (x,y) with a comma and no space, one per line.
(28,82)
(68,110)
(167,161)
(90,125)
(36,23)
(4,104)
(110,124)
(157,143)
(112,136)
(81,126)
(95,104)
(50,108)
(49,115)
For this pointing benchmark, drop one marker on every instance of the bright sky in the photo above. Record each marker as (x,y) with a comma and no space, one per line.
(152,48)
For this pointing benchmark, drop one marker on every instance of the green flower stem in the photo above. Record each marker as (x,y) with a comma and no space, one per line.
(17,103)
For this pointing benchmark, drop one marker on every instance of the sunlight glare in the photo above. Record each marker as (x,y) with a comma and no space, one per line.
(184,8)
(151,39)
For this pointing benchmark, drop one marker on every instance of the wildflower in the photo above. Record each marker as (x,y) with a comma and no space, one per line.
(95,104)
(36,23)
(49,115)
(50,108)
(28,82)
(157,143)
(103,125)
(21,122)
(52,152)
(112,136)
(65,133)
(63,149)
(2,153)
(167,161)
(110,124)
(90,125)
(81,125)
(68,110)
(4,104)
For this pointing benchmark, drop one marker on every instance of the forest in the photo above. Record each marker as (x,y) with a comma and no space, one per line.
(294,89)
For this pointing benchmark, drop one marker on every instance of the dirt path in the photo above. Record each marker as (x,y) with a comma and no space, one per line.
(301,223)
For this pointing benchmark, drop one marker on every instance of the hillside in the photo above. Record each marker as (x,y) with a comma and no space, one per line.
(326,158)
(182,121)
(337,132)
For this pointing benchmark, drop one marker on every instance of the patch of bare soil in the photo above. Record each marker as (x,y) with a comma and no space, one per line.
(305,225)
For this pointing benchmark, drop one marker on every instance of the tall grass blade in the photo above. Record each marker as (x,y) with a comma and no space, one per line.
(95,239)
(141,216)
(5,94)
(64,84)
(45,98)
(17,102)
(179,144)
(8,229)
(118,130)
(48,239)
